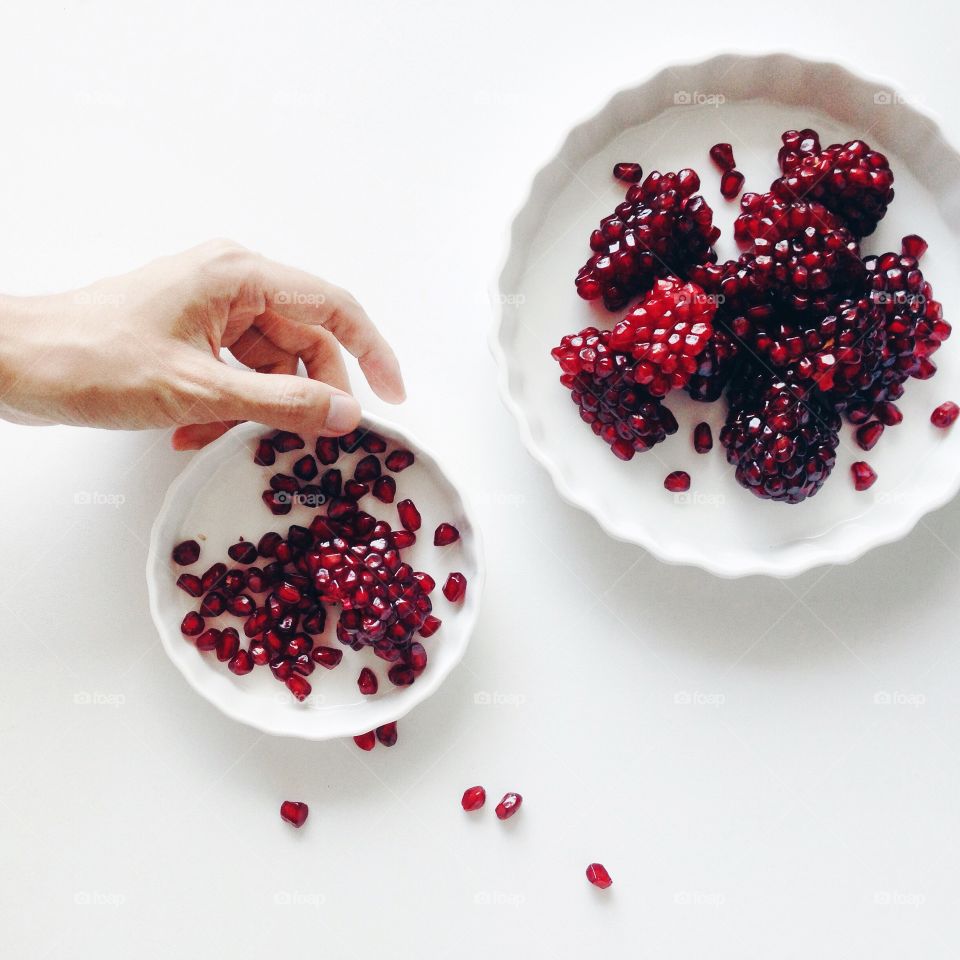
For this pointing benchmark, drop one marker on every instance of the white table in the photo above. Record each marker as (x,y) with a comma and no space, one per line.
(719,746)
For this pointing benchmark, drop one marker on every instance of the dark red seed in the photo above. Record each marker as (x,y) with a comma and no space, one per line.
(473,798)
(213,576)
(288,593)
(305,468)
(387,734)
(677,482)
(403,539)
(214,603)
(208,640)
(367,682)
(868,435)
(863,475)
(265,455)
(294,812)
(628,172)
(702,438)
(598,876)
(355,490)
(400,675)
(417,658)
(259,654)
(945,415)
(350,441)
(243,552)
(722,155)
(284,441)
(186,553)
(327,657)
(385,489)
(430,626)
(913,246)
(284,483)
(399,460)
(926,368)
(455,589)
(331,483)
(731,183)
(279,503)
(367,469)
(409,515)
(267,547)
(298,686)
(427,583)
(366,741)
(327,450)
(281,668)
(228,644)
(508,806)
(889,414)
(241,605)
(445,534)
(373,443)
(234,582)
(190,584)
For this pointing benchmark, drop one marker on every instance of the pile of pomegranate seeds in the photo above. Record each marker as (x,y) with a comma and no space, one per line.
(802,327)
(345,561)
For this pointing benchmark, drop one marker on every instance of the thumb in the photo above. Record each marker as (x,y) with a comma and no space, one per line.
(281,400)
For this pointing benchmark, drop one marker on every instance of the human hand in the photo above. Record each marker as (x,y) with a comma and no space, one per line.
(143,350)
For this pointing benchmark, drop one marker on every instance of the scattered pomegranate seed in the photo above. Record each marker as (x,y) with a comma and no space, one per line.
(351,441)
(598,876)
(430,626)
(242,663)
(294,812)
(385,489)
(863,475)
(298,686)
(400,675)
(265,454)
(279,503)
(731,183)
(722,155)
(945,415)
(445,534)
(473,798)
(186,553)
(214,603)
(889,414)
(327,450)
(192,624)
(387,734)
(367,469)
(409,515)
(702,438)
(628,172)
(259,654)
(455,589)
(191,584)
(284,441)
(208,640)
(508,806)
(366,741)
(367,682)
(306,467)
(327,657)
(399,460)
(228,645)
(868,435)
(913,246)
(677,482)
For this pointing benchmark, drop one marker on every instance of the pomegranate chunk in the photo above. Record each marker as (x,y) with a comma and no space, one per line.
(863,475)
(473,798)
(366,741)
(387,734)
(598,876)
(445,534)
(305,468)
(677,482)
(367,469)
(208,640)
(367,682)
(186,553)
(508,806)
(913,246)
(294,812)
(945,415)
(455,589)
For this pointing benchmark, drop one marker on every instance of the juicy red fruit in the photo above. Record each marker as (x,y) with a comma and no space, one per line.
(366,741)
(445,534)
(284,441)
(628,172)
(722,155)
(473,798)
(387,734)
(399,460)
(294,812)
(367,682)
(186,553)
(677,482)
(863,475)
(702,438)
(455,589)
(409,515)
(598,876)
(731,183)
(869,434)
(945,415)
(508,806)
(298,686)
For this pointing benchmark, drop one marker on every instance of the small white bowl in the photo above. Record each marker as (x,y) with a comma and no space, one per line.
(667,123)
(216,500)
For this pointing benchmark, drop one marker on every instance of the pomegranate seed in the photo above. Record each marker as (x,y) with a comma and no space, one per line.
(403,539)
(267,547)
(385,489)
(288,593)
(387,734)
(889,414)
(702,438)
(926,368)
(473,798)
(945,415)
(366,741)
(305,468)
(399,460)
(284,441)
(868,435)
(208,640)
(241,664)
(455,589)
(294,812)
(327,657)
(677,482)
(279,503)
(508,806)
(242,552)
(417,658)
(327,450)
(367,682)
(913,246)
(409,515)
(722,155)
(282,669)
(350,441)
(241,605)
(400,675)
(445,534)
(186,553)
(731,183)
(191,584)
(367,469)
(430,626)
(863,475)
(259,654)
(598,876)
(213,576)
(628,172)
(228,644)
(298,686)
(427,583)
(265,455)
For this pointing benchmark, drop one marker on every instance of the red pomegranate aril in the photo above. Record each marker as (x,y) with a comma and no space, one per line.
(366,741)
(228,644)
(914,246)
(190,584)
(417,658)
(868,435)
(702,438)
(445,534)
(278,502)
(259,654)
(731,183)
(628,172)
(473,798)
(341,508)
(387,734)
(265,454)
(267,546)
(373,443)
(213,604)
(241,664)
(284,441)
(598,876)
(367,469)
(208,640)
(351,441)
(409,515)
(288,593)
(385,489)
(242,552)
(508,806)
(427,583)
(889,414)
(722,155)
(863,475)
(186,553)
(305,468)
(256,624)
(213,576)
(677,482)
(303,665)
(298,686)
(327,657)
(401,675)
(284,483)
(399,460)
(430,626)
(455,589)
(327,450)
(402,539)
(945,415)
(241,605)
(367,682)
(294,812)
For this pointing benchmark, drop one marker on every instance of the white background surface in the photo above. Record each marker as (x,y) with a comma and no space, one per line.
(780,812)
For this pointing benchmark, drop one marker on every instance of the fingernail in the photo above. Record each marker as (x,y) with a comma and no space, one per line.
(344,413)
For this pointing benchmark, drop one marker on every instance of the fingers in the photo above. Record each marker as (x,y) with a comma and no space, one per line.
(198,435)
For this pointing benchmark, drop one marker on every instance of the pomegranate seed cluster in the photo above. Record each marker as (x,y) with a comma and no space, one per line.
(283,587)
(802,327)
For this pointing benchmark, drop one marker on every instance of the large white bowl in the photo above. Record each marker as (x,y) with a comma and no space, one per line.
(216,500)
(666,123)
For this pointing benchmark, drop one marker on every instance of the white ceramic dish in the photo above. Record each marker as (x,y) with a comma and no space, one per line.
(666,123)
(216,500)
